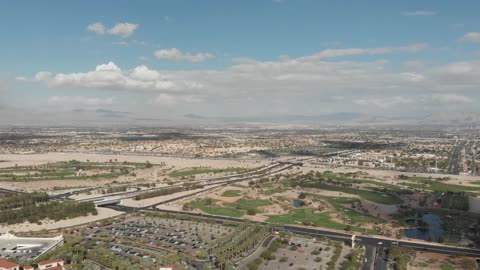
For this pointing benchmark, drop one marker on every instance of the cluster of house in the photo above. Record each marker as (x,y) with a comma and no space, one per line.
(54,264)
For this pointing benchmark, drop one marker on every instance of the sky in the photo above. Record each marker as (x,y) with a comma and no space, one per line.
(123,61)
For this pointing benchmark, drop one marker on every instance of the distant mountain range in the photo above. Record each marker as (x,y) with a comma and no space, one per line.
(103,117)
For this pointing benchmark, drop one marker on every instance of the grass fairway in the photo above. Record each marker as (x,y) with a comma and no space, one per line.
(306,216)
(236,209)
(203,170)
(273,191)
(436,185)
(377,197)
(375,184)
(216,210)
(244,204)
(354,216)
(232,193)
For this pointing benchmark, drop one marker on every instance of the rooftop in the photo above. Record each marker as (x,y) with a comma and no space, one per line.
(7,264)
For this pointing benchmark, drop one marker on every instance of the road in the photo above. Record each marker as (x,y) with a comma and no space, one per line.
(3,190)
(224,180)
(454,162)
(381,259)
(99,201)
(369,258)
(375,241)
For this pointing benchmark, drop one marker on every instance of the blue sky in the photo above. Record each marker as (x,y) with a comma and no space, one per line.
(238,58)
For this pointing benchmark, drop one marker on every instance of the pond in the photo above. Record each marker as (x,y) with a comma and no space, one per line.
(426,226)
(298,203)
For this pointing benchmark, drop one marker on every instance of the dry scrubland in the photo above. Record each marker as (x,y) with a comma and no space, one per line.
(152,174)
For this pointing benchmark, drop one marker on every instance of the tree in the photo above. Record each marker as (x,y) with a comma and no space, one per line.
(251,212)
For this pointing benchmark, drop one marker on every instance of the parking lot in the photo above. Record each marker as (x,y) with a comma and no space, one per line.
(160,235)
(301,252)
(24,248)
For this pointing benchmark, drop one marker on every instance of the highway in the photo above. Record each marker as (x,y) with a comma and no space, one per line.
(375,241)
(455,157)
(3,190)
(222,181)
(369,258)
(381,259)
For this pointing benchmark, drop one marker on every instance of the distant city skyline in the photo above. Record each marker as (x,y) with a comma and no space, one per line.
(121,61)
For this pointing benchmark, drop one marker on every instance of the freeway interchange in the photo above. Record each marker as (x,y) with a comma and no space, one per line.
(376,246)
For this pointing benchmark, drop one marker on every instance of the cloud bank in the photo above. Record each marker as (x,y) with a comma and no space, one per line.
(291,83)
(123,30)
(176,54)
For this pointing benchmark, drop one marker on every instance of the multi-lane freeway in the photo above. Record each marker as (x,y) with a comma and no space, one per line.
(272,169)
(376,246)
(376,241)
(455,158)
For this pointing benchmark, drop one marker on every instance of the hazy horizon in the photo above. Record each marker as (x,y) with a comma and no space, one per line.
(280,61)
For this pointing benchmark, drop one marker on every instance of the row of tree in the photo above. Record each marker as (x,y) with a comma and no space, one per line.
(166,191)
(52,210)
(13,201)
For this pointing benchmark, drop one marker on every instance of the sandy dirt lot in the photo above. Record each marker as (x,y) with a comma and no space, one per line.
(153,174)
(37,159)
(435,261)
(51,225)
(391,175)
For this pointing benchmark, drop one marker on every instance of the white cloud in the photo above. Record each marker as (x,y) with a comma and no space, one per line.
(98,28)
(419,13)
(384,103)
(304,80)
(42,75)
(110,76)
(122,43)
(169,99)
(471,37)
(412,77)
(80,101)
(123,30)
(414,64)
(451,98)
(456,75)
(176,54)
(332,53)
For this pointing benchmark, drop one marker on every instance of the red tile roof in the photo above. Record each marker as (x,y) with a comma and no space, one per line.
(50,261)
(28,267)
(7,264)
(56,268)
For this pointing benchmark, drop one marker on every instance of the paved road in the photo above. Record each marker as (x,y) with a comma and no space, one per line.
(243,263)
(369,258)
(454,162)
(259,173)
(381,259)
(3,190)
(376,241)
